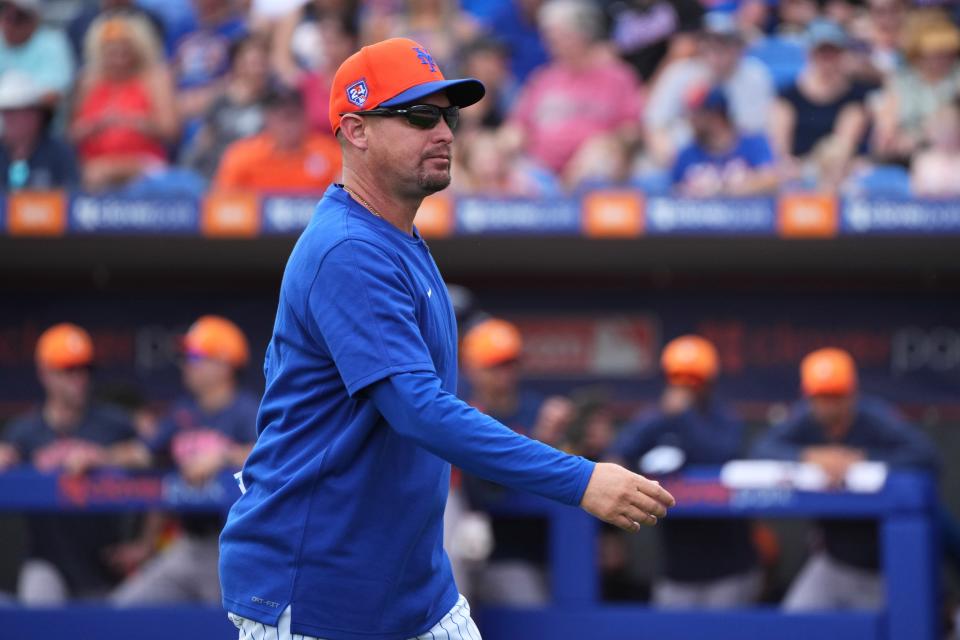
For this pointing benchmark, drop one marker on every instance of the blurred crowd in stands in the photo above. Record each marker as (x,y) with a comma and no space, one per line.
(699,98)
(159,558)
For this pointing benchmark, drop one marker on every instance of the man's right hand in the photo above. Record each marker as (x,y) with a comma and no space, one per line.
(624,498)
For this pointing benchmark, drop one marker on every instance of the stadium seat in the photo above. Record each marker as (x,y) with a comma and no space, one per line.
(881,180)
(652,183)
(783,57)
(172,182)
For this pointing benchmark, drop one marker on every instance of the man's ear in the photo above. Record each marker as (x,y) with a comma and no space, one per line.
(354,131)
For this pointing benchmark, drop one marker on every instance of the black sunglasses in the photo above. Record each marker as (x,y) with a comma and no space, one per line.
(421,116)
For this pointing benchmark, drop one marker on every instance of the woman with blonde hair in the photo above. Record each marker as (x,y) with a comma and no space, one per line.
(124,113)
(931,44)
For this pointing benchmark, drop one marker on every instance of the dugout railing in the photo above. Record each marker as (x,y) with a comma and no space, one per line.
(905,508)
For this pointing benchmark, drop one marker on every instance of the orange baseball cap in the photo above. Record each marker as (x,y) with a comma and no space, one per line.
(63,346)
(828,372)
(690,361)
(391,73)
(490,343)
(217,338)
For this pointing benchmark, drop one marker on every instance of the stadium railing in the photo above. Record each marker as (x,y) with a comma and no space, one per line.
(905,507)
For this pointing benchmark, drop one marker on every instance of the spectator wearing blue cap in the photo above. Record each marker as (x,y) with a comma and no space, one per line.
(720,61)
(823,108)
(721,161)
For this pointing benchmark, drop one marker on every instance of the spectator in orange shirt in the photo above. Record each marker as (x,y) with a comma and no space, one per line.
(285,157)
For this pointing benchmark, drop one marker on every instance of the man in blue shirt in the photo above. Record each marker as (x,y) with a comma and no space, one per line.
(706,563)
(339,533)
(834,428)
(721,161)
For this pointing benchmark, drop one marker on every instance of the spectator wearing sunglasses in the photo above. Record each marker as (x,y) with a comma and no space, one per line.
(68,554)
(41,52)
(211,429)
(286,157)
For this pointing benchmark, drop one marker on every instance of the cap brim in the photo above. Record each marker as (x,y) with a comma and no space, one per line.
(462,92)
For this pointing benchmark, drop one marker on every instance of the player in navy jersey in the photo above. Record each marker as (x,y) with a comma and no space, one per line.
(834,427)
(209,430)
(515,573)
(711,562)
(68,554)
(339,532)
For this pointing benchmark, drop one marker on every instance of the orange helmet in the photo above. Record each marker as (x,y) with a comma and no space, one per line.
(217,338)
(828,372)
(690,361)
(490,343)
(64,346)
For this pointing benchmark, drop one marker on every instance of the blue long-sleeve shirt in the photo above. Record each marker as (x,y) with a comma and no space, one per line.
(694,550)
(515,537)
(342,519)
(881,434)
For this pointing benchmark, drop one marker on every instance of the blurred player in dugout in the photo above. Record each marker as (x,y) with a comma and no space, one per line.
(707,563)
(491,353)
(834,427)
(70,555)
(210,430)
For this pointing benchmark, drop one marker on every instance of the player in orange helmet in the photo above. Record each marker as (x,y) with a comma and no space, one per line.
(210,430)
(68,433)
(707,563)
(835,427)
(491,354)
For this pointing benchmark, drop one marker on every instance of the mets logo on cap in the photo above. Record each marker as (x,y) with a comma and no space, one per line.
(357,92)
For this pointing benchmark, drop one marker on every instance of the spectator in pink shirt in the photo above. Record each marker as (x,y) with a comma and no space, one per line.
(584,91)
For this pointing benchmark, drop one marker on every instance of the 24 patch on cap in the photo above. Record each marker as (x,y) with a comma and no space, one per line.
(357,92)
